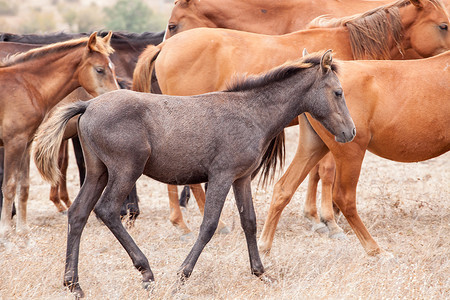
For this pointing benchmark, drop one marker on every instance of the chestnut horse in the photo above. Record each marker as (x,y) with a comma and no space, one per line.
(33,83)
(260,16)
(127,47)
(401,112)
(234,135)
(203,60)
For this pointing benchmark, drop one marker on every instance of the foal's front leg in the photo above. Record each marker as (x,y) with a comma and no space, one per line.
(215,198)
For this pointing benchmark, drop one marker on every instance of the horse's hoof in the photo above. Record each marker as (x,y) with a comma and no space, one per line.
(64,212)
(268,279)
(187,237)
(224,230)
(338,236)
(320,228)
(148,285)
(23,230)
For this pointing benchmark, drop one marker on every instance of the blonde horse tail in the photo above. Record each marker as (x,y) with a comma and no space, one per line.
(49,137)
(144,69)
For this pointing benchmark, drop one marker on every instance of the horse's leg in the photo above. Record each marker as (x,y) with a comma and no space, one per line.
(327,170)
(200,197)
(108,210)
(243,196)
(309,151)
(310,209)
(176,217)
(130,207)
(348,168)
(78,214)
(79,158)
(217,192)
(63,193)
(55,195)
(2,156)
(23,191)
(185,196)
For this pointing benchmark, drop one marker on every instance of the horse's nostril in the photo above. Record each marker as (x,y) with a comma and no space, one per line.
(354,131)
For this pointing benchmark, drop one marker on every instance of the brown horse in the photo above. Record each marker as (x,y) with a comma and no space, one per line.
(400,109)
(32,83)
(127,47)
(260,16)
(234,135)
(203,60)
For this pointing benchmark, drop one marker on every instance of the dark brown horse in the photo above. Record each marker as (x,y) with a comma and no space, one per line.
(32,83)
(125,134)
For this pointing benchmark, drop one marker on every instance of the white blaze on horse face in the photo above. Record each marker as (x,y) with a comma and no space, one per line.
(111,67)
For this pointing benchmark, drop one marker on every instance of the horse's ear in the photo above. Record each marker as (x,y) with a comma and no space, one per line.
(417,3)
(305,52)
(92,41)
(325,61)
(107,38)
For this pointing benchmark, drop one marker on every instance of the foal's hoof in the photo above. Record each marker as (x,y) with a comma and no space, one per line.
(76,290)
(267,279)
(148,286)
(320,228)
(64,212)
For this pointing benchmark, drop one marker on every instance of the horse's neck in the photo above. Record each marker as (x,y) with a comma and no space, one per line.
(276,105)
(52,76)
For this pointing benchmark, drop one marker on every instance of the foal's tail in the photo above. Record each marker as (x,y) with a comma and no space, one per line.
(48,140)
(142,76)
(274,154)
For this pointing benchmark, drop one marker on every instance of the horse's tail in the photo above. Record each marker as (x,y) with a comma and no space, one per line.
(142,75)
(49,137)
(274,154)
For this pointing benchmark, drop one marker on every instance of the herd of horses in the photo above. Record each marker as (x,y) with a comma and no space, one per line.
(393,58)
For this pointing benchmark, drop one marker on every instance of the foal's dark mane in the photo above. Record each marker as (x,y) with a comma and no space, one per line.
(276,149)
(50,49)
(370,31)
(288,69)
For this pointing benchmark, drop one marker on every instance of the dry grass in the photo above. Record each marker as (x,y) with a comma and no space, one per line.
(405,207)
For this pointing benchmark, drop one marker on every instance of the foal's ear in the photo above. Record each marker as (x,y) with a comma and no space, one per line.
(107,38)
(305,52)
(92,41)
(416,3)
(325,61)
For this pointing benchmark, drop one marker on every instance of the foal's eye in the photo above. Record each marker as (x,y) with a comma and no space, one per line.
(443,26)
(338,93)
(100,70)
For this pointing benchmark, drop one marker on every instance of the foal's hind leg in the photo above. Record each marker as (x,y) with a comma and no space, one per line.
(217,192)
(108,210)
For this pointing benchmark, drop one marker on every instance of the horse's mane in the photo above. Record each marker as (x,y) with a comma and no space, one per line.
(286,70)
(51,49)
(39,38)
(370,31)
(134,40)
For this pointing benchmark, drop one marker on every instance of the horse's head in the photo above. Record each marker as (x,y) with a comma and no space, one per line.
(428,27)
(186,15)
(96,72)
(330,108)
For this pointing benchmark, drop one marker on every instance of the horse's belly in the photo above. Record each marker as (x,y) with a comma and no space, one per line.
(173,172)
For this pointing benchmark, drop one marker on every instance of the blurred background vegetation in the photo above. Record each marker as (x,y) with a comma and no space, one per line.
(44,16)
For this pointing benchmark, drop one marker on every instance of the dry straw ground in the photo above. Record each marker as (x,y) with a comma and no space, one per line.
(405,206)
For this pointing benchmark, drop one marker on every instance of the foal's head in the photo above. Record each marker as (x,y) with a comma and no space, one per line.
(96,71)
(329,107)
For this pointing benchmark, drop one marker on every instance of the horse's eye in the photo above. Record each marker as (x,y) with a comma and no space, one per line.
(338,93)
(171,27)
(100,70)
(443,26)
